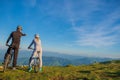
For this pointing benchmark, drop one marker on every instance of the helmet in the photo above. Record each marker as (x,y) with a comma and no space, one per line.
(19,27)
(37,35)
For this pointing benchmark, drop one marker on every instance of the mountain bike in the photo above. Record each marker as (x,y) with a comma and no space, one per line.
(36,61)
(8,59)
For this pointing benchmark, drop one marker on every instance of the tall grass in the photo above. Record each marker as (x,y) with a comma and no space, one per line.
(101,71)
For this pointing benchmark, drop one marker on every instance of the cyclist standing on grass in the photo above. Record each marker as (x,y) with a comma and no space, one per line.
(15,36)
(36,53)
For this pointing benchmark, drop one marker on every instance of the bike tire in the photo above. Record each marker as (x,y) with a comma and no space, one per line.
(36,68)
(6,62)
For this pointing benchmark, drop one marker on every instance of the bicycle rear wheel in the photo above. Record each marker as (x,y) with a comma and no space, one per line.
(36,65)
(7,60)
(36,68)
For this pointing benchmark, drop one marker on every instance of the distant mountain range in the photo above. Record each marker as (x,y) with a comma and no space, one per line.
(56,59)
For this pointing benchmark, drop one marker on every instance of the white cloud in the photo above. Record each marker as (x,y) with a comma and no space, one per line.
(97,36)
(80,10)
(104,33)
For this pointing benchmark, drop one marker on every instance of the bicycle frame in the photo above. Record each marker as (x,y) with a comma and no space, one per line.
(8,59)
(36,61)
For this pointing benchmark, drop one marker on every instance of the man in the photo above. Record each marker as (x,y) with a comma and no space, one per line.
(15,36)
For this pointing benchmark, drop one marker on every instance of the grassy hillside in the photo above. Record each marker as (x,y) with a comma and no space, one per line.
(97,71)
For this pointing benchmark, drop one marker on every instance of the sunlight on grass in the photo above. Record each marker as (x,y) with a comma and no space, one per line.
(109,71)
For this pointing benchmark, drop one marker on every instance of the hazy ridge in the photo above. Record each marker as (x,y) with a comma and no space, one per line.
(57,59)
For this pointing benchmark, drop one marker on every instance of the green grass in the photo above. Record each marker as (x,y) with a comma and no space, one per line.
(97,71)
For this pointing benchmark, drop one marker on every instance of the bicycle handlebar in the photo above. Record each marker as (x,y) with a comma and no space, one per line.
(31,48)
(9,46)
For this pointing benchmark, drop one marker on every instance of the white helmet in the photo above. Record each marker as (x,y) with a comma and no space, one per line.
(37,35)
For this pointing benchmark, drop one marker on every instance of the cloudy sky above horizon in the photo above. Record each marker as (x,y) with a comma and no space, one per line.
(80,27)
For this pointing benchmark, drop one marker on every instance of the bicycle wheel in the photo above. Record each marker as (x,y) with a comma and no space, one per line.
(36,65)
(36,68)
(7,60)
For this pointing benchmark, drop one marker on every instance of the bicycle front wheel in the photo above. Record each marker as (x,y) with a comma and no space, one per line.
(6,62)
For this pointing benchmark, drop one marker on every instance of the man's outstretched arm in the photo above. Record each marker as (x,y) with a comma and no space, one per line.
(23,34)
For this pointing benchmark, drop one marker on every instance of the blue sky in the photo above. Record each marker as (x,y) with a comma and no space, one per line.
(77,27)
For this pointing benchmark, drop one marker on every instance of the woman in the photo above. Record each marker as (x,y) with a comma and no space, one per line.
(36,53)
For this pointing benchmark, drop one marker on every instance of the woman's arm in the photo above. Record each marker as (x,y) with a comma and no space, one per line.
(30,44)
